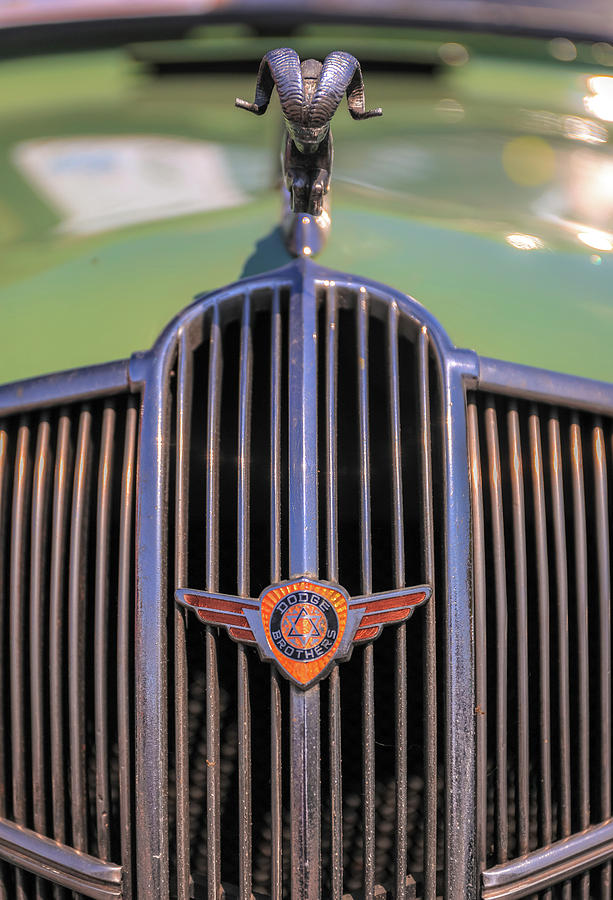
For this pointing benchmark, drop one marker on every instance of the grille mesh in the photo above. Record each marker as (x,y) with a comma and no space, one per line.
(230,711)
(66,607)
(543,624)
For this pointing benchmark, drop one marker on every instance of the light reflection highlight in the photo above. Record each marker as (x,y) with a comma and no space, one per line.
(524,241)
(600,101)
(597,240)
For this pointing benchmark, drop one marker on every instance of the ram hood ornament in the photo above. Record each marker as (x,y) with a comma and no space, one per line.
(303,625)
(310,92)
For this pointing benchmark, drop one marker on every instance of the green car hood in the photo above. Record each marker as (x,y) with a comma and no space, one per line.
(485,192)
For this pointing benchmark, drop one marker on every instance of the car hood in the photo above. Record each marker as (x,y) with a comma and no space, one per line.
(485,192)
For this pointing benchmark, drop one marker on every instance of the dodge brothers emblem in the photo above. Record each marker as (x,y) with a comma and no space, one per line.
(304,625)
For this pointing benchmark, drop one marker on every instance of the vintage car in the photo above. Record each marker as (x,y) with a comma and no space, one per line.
(305,583)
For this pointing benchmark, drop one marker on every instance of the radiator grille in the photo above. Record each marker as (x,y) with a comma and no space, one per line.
(543,627)
(229,820)
(66,609)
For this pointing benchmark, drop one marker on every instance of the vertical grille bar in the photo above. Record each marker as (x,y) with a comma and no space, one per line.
(580,540)
(212,578)
(76,633)
(521,601)
(493,450)
(150,632)
(430,672)
(368,718)
(37,603)
(563,672)
(335,750)
(305,742)
(4,482)
(542,573)
(61,503)
(184,411)
(480,600)
(604,621)
(400,675)
(124,645)
(16,634)
(276,807)
(244,707)
(101,674)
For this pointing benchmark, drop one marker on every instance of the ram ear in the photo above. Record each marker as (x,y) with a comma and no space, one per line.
(341,72)
(280,68)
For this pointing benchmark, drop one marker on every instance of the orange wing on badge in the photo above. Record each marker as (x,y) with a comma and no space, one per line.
(386,608)
(221,609)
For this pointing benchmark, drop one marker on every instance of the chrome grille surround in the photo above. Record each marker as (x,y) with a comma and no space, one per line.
(164,378)
(312,297)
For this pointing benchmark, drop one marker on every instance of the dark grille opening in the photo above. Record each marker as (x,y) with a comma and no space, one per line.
(230,392)
(66,607)
(545,751)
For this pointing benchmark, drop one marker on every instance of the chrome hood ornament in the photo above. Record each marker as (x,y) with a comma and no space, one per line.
(310,92)
(304,625)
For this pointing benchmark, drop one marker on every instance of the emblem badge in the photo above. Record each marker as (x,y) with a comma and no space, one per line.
(303,625)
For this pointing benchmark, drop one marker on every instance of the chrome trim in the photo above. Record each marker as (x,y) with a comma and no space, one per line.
(543,868)
(460,734)
(64,387)
(304,234)
(150,652)
(540,385)
(59,864)
(152,369)
(305,750)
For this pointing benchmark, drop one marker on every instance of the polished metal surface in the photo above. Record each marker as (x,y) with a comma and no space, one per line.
(310,299)
(17,631)
(305,750)
(124,645)
(276,714)
(309,93)
(76,630)
(59,864)
(52,390)
(65,736)
(541,385)
(431,724)
(213,411)
(547,489)
(599,459)
(183,431)
(150,634)
(4,480)
(501,644)
(521,601)
(61,489)
(101,625)
(541,869)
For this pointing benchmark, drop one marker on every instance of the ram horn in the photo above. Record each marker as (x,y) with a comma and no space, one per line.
(281,68)
(341,72)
